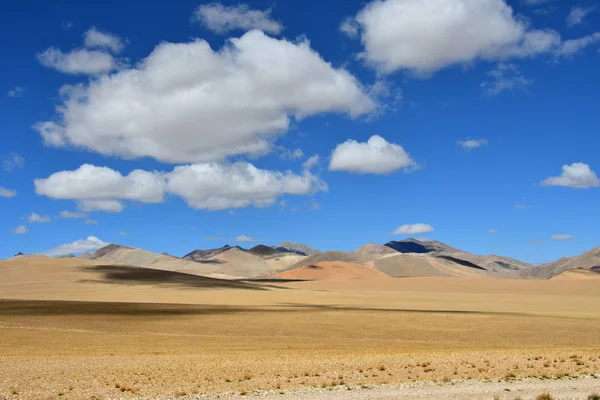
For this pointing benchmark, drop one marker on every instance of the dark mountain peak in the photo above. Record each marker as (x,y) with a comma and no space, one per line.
(263,250)
(202,255)
(19,254)
(412,245)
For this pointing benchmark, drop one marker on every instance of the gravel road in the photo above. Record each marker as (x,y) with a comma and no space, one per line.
(526,389)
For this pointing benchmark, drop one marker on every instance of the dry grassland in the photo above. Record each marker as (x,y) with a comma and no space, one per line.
(94,332)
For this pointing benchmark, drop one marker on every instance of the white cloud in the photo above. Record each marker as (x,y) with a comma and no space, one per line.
(244,238)
(17,91)
(222,19)
(94,38)
(288,154)
(222,186)
(492,231)
(505,77)
(13,161)
(111,206)
(349,27)
(78,62)
(102,188)
(562,237)
(124,233)
(90,221)
(36,218)
(426,36)
(4,192)
(209,186)
(188,103)
(311,162)
(72,214)
(20,230)
(376,156)
(576,175)
(571,47)
(470,144)
(533,3)
(78,246)
(521,206)
(577,15)
(413,229)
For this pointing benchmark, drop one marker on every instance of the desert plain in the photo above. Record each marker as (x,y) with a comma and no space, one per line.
(79,329)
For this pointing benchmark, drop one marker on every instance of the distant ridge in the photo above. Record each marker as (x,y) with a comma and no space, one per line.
(202,255)
(297,248)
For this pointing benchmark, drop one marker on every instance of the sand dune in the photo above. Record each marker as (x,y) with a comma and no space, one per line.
(331,270)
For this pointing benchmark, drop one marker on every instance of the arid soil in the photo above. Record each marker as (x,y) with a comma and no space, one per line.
(77,331)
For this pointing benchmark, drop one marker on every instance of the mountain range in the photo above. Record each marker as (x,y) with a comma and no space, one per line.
(405,258)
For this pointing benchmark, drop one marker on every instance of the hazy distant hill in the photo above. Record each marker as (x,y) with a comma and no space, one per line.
(328,256)
(375,250)
(589,260)
(298,248)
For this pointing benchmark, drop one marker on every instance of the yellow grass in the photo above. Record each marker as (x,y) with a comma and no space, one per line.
(95,331)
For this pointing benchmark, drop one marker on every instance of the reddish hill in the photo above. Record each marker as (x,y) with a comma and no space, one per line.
(331,270)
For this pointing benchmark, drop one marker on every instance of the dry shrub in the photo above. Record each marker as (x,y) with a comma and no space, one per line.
(594,396)
(545,396)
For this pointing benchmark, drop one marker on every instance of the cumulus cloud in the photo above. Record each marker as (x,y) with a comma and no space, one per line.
(13,161)
(208,186)
(562,237)
(20,230)
(101,188)
(244,238)
(8,193)
(413,229)
(17,91)
(36,218)
(533,3)
(571,47)
(78,62)
(577,15)
(376,156)
(469,144)
(94,38)
(188,103)
(504,77)
(426,36)
(492,231)
(78,246)
(576,175)
(288,154)
(111,206)
(349,27)
(311,162)
(221,186)
(222,19)
(72,214)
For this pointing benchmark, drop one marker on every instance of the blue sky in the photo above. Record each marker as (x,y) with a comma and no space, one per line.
(179,126)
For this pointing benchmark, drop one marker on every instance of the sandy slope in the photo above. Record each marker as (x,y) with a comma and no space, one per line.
(578,274)
(331,270)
